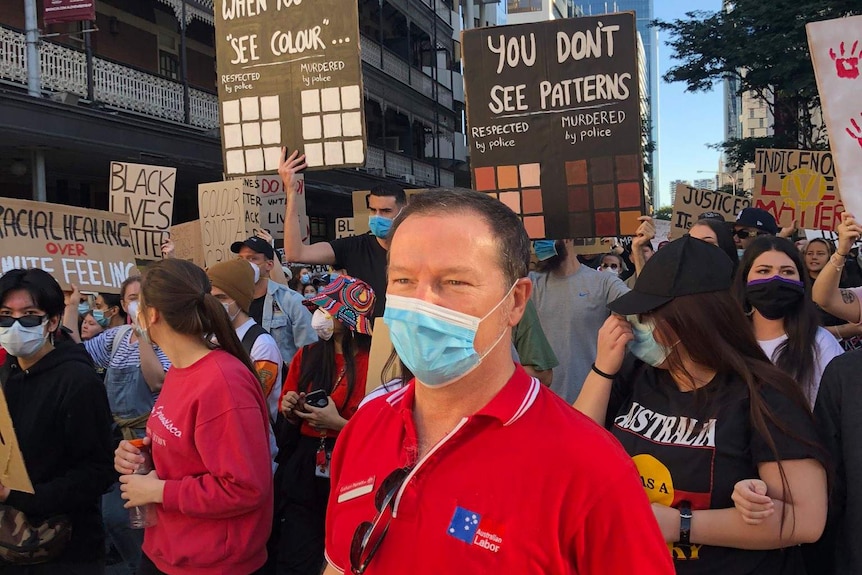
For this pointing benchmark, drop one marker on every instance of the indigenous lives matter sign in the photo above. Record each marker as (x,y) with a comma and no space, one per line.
(554,121)
(289,74)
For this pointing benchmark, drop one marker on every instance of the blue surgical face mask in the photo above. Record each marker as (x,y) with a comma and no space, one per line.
(305,279)
(740,252)
(99,316)
(434,342)
(545,249)
(83,308)
(379,226)
(644,346)
(309,295)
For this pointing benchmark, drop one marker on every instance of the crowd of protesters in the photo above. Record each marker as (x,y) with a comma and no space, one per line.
(689,407)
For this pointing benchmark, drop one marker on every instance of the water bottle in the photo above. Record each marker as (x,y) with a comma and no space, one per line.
(144,515)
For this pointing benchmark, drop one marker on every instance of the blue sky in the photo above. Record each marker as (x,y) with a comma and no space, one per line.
(687,122)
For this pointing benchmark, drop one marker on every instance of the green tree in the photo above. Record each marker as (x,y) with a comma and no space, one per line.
(763,45)
(663,213)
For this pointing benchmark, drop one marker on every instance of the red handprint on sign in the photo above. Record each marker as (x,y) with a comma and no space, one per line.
(847,65)
(856,132)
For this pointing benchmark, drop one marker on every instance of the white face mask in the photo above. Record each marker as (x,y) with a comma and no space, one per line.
(232,316)
(323,324)
(23,341)
(132,309)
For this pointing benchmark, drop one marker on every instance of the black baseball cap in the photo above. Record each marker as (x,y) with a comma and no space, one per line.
(255,244)
(683,267)
(757,218)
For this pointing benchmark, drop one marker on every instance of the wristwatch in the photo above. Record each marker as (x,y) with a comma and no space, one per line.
(684,523)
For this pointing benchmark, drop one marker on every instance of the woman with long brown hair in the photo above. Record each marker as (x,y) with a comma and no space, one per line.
(699,408)
(208,432)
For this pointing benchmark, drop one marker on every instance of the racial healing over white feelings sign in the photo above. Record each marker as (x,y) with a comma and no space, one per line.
(289,74)
(553,110)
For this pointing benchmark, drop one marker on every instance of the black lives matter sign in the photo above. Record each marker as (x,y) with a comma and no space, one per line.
(554,122)
(289,74)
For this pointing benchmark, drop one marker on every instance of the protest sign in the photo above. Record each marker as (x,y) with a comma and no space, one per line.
(229,212)
(555,126)
(689,203)
(662,233)
(289,74)
(146,195)
(344,228)
(187,242)
(13,472)
(380,352)
(273,201)
(835,52)
(798,186)
(89,248)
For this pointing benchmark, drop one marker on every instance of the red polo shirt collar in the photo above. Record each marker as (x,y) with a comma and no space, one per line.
(510,403)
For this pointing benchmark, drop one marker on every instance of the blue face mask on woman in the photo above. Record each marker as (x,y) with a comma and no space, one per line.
(434,342)
(83,308)
(644,346)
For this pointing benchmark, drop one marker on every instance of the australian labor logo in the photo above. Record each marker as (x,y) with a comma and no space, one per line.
(469,527)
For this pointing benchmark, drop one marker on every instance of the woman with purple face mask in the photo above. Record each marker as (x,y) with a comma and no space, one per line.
(774,289)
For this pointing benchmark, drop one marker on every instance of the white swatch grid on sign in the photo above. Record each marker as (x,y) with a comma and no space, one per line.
(332,126)
(252,133)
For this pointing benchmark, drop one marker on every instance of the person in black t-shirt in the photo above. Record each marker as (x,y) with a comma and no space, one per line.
(699,408)
(364,256)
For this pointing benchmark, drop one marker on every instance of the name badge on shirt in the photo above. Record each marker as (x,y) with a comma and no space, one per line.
(356,489)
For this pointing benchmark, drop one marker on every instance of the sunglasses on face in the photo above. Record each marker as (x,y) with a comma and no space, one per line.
(369,535)
(612,266)
(31,320)
(745,234)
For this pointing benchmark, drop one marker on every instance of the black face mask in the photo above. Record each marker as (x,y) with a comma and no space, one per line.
(774,296)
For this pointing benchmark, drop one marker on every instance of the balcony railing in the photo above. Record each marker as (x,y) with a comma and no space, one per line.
(399,166)
(396,67)
(65,70)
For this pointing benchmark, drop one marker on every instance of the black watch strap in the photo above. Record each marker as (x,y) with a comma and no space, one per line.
(685,523)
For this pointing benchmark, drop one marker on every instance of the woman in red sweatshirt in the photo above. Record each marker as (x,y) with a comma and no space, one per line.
(208,432)
(334,368)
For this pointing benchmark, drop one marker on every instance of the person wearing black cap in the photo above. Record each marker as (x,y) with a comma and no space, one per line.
(699,408)
(750,223)
(277,308)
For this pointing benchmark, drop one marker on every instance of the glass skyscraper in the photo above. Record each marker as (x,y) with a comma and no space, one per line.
(649,35)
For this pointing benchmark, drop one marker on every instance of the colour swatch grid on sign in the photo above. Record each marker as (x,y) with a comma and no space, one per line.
(519,187)
(604,195)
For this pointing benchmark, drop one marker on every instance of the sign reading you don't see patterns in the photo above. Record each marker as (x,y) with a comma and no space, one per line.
(289,74)
(554,119)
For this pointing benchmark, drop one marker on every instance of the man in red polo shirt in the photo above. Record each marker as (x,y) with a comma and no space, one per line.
(474,467)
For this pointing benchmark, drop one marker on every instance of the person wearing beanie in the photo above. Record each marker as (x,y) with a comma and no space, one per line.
(233,285)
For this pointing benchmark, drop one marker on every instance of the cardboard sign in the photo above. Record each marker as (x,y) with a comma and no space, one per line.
(835,47)
(690,203)
(290,75)
(554,120)
(798,186)
(59,11)
(229,212)
(187,242)
(13,472)
(146,195)
(344,228)
(360,209)
(273,202)
(378,355)
(89,248)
